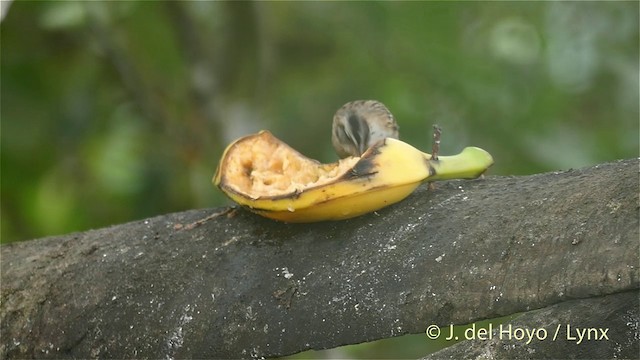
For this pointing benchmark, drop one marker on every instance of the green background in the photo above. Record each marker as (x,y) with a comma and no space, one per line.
(117,111)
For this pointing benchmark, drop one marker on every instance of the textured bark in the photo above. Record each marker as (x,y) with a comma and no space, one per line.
(242,286)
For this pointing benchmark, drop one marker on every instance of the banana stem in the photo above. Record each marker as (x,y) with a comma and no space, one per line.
(468,164)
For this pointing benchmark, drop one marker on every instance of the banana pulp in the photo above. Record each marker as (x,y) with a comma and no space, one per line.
(272,179)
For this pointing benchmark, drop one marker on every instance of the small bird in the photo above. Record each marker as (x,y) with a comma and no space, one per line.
(360,124)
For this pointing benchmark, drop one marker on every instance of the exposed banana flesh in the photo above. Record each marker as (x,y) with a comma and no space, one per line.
(272,179)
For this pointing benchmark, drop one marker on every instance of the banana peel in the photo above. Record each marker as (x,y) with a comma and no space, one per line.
(270,178)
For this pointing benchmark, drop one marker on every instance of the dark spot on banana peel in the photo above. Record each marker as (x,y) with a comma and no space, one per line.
(363,168)
(432,170)
(366,167)
(292,195)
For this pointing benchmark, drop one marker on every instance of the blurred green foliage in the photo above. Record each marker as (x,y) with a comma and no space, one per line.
(116,111)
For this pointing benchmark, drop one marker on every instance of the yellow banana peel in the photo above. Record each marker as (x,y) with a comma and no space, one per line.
(270,178)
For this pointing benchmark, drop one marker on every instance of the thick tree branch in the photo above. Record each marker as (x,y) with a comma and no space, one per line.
(242,286)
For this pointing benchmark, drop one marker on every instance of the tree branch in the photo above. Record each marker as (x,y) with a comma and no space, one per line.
(242,286)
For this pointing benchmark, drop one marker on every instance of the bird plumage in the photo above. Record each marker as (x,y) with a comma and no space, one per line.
(360,124)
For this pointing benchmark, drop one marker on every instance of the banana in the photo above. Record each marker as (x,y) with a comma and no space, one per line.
(272,179)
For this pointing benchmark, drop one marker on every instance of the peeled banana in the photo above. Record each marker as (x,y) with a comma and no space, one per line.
(272,179)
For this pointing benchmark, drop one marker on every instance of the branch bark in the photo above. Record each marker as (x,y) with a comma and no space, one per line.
(242,286)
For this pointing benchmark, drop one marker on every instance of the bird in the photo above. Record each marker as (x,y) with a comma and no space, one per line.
(360,124)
